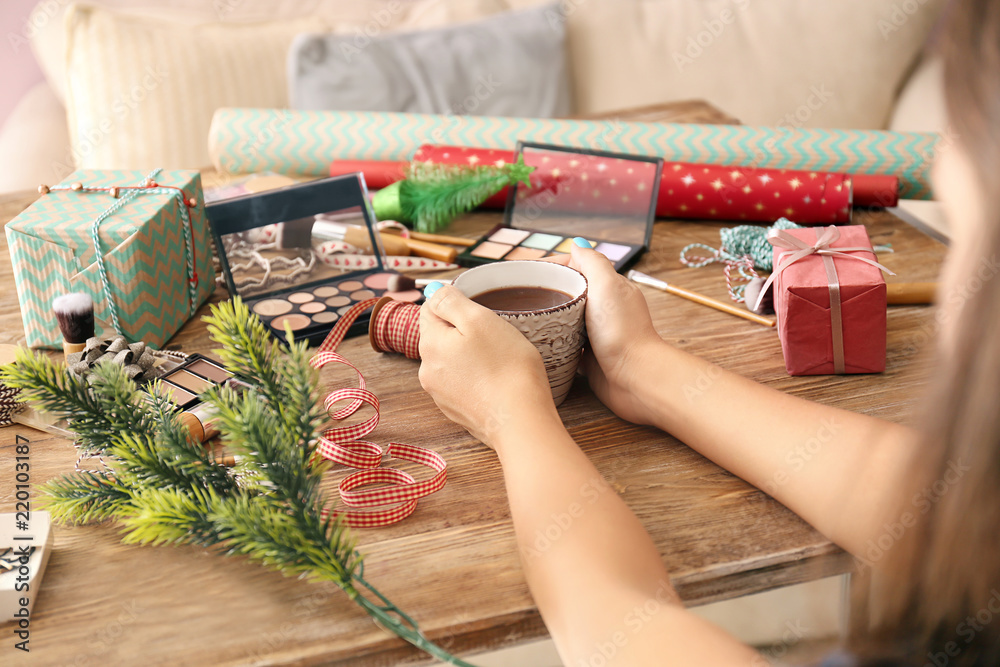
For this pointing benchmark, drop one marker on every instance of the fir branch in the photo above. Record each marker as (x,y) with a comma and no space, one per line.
(96,413)
(293,543)
(87,497)
(164,488)
(172,516)
(139,460)
(432,195)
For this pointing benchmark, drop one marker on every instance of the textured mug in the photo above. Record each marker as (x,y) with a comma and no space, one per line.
(556,332)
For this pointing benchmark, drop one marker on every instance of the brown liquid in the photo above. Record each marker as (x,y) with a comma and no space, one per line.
(521,298)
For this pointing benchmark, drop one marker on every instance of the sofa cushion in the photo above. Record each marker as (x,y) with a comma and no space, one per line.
(920,106)
(48,37)
(801,63)
(511,64)
(34,142)
(141,92)
(814,63)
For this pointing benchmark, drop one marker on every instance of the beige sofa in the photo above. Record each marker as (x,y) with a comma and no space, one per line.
(165,67)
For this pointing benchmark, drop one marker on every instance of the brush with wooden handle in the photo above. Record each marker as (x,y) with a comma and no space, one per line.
(75,314)
(643,279)
(393,243)
(896,294)
(910,294)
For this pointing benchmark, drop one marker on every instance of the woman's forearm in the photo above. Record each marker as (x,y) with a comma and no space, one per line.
(593,570)
(837,469)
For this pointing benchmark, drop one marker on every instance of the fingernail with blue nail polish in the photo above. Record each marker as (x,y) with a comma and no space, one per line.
(431,288)
(582,242)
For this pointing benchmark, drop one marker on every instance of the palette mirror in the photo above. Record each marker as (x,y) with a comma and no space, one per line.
(302,256)
(607,198)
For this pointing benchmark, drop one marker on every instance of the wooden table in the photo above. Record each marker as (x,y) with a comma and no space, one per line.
(453,564)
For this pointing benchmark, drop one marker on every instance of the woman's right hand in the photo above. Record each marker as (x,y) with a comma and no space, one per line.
(621,333)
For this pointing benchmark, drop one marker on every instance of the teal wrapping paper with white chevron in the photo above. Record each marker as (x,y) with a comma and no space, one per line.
(306,142)
(150,249)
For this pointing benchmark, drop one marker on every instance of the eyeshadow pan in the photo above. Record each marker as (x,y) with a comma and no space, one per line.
(175,395)
(312,307)
(338,301)
(612,251)
(350,285)
(542,241)
(300,297)
(525,253)
(189,381)
(409,295)
(378,281)
(326,291)
(295,321)
(565,246)
(362,294)
(490,250)
(509,235)
(326,317)
(272,307)
(343,311)
(209,370)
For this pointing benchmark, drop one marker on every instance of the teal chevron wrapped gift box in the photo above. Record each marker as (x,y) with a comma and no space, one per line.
(138,243)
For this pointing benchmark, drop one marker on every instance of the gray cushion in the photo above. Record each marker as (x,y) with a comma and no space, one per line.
(511,64)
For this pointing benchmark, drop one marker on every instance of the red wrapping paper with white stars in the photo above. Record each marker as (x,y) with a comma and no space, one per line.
(687,191)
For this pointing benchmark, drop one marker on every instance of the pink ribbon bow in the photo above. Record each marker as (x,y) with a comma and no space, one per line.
(798,249)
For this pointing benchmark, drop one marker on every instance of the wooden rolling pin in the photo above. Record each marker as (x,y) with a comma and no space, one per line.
(898,294)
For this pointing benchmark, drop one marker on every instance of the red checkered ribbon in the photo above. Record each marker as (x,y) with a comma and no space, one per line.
(394,326)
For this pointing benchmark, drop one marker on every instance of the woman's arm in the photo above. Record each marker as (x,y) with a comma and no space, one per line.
(595,574)
(838,470)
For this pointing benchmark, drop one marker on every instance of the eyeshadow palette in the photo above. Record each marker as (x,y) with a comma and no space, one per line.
(607,198)
(268,251)
(180,381)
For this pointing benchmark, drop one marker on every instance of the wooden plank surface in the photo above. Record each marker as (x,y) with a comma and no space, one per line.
(453,564)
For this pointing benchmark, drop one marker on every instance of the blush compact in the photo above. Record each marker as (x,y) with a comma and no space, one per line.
(607,198)
(268,250)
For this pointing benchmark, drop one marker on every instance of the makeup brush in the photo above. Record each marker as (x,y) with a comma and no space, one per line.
(401,283)
(393,243)
(899,294)
(643,279)
(896,294)
(75,313)
(442,238)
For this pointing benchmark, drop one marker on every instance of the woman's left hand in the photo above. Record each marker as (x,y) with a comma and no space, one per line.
(481,371)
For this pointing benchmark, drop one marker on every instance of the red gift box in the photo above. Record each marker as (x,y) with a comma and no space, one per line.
(829,296)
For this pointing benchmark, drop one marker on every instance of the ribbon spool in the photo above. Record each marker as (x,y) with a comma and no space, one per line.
(393,328)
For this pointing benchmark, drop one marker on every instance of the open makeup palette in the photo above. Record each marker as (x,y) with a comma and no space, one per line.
(293,276)
(181,380)
(607,198)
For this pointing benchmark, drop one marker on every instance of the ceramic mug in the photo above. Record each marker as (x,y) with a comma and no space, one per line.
(556,332)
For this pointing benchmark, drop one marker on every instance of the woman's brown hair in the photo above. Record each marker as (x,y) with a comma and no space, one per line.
(936,597)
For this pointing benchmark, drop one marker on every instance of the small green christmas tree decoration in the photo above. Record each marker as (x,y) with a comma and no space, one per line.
(163,487)
(433,195)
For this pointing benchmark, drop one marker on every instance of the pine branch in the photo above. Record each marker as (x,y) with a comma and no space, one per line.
(432,195)
(94,410)
(173,516)
(164,488)
(87,497)
(294,544)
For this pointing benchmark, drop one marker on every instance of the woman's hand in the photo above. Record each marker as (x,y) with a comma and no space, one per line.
(621,333)
(481,371)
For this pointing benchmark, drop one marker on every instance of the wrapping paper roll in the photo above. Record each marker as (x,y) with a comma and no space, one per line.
(306,142)
(695,191)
